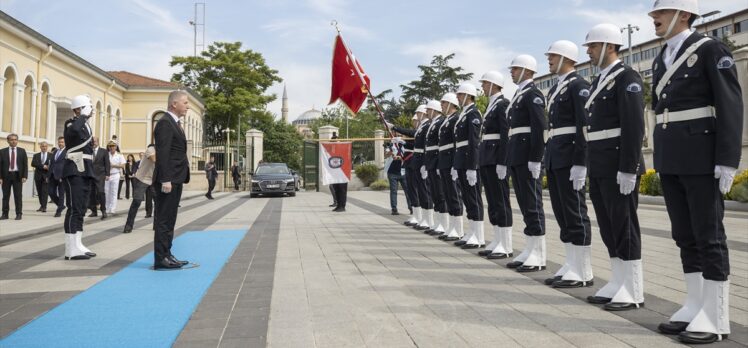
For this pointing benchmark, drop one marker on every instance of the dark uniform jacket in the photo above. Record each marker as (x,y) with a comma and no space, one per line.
(447,137)
(708,78)
(468,129)
(408,154)
(171,153)
(527,111)
(620,104)
(76,133)
(36,162)
(567,110)
(493,152)
(419,142)
(431,158)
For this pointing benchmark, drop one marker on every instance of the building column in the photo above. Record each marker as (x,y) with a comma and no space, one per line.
(2,96)
(17,113)
(379,151)
(325,132)
(51,120)
(32,114)
(254,138)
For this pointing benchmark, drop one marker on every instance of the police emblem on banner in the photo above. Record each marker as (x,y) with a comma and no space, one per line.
(335,162)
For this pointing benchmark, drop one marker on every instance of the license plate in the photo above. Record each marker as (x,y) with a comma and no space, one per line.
(274,186)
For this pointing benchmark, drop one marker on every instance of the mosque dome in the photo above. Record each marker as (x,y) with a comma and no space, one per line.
(308,117)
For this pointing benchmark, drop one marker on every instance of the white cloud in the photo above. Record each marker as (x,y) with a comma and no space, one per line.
(636,15)
(162,18)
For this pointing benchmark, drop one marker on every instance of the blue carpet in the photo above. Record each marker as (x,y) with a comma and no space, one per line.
(135,307)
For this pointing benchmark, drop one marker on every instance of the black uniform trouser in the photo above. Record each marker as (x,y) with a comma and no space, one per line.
(167,205)
(497,197)
(76,197)
(41,190)
(424,191)
(452,192)
(696,209)
(149,197)
(57,193)
(97,196)
(529,194)
(12,182)
(211,186)
(569,207)
(332,192)
(471,196)
(341,194)
(616,217)
(437,192)
(411,189)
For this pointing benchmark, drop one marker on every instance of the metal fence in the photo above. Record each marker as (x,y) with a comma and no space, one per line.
(225,154)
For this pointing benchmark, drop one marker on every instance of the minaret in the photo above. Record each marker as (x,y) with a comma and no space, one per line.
(284,107)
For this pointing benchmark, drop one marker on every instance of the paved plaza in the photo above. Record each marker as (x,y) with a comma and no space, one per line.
(302,276)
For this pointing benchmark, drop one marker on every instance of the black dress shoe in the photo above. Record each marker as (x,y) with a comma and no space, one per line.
(18,217)
(103,215)
(78,257)
(460,243)
(94,214)
(443,236)
(58,213)
(408,223)
(450,239)
(339,209)
(4,217)
(421,228)
(484,253)
(333,205)
(598,299)
(551,280)
(672,327)
(148,216)
(394,212)
(428,231)
(498,256)
(700,337)
(43,210)
(472,246)
(174,259)
(128,229)
(568,284)
(38,210)
(514,264)
(90,254)
(525,269)
(435,233)
(166,263)
(621,306)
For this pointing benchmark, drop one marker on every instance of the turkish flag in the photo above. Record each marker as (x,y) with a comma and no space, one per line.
(347,75)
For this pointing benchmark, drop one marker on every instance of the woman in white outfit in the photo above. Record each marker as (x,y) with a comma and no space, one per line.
(117,162)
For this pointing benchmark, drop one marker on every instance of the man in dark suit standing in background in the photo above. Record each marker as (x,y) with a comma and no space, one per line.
(211,173)
(14,169)
(55,188)
(171,172)
(40,162)
(101,170)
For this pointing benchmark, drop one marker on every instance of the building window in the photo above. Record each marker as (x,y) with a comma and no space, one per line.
(741,26)
(721,32)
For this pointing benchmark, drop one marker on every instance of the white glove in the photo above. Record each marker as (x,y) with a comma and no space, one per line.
(398,140)
(389,125)
(87,110)
(438,172)
(424,173)
(626,182)
(501,171)
(577,177)
(534,168)
(472,177)
(725,175)
(453,172)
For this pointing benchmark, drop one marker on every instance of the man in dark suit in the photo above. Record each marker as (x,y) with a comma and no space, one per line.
(171,172)
(40,162)
(101,170)
(211,173)
(14,170)
(55,188)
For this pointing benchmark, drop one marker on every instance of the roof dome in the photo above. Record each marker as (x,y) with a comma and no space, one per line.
(308,116)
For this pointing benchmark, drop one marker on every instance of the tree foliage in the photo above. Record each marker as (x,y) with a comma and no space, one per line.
(231,80)
(437,78)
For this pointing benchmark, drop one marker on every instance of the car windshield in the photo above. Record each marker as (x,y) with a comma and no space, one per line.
(272,170)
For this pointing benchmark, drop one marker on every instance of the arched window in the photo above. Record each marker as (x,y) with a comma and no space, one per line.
(156,117)
(44,112)
(8,105)
(28,105)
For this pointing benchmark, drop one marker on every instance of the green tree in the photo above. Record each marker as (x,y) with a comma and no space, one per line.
(231,80)
(282,143)
(437,78)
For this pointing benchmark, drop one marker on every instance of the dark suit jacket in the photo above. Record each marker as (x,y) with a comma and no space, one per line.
(21,161)
(171,153)
(36,162)
(56,165)
(101,165)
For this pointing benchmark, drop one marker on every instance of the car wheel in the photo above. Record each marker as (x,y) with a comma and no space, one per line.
(292,194)
(252,195)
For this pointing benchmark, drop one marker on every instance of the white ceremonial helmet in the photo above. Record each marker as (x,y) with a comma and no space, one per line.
(434,105)
(421,108)
(690,6)
(450,98)
(467,88)
(526,62)
(494,77)
(605,33)
(566,49)
(80,101)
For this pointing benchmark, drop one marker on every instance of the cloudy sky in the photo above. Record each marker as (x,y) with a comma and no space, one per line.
(389,37)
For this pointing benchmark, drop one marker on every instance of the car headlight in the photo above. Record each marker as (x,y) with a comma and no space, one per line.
(290,180)
(255,181)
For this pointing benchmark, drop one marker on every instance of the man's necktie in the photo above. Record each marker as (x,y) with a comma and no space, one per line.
(12,159)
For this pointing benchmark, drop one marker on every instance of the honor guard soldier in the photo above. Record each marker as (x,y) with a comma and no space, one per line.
(424,208)
(466,160)
(697,145)
(493,169)
(452,192)
(565,155)
(614,144)
(410,190)
(431,166)
(77,174)
(526,141)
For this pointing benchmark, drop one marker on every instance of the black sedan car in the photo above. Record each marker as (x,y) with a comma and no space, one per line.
(273,179)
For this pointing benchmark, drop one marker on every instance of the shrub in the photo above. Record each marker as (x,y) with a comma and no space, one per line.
(367,173)
(737,185)
(380,185)
(650,184)
(545,182)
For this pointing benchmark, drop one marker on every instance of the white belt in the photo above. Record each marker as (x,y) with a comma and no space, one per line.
(604,134)
(492,136)
(561,131)
(446,147)
(407,150)
(462,144)
(418,150)
(83,156)
(685,115)
(519,130)
(432,148)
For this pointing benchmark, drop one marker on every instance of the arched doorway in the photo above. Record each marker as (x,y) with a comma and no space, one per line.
(43,128)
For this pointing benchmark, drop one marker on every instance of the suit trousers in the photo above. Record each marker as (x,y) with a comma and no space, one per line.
(497,197)
(41,190)
(332,192)
(13,183)
(167,205)
(97,195)
(410,189)
(471,196)
(616,217)
(529,194)
(437,192)
(341,193)
(424,191)
(211,186)
(76,197)
(696,209)
(56,191)
(569,207)
(452,193)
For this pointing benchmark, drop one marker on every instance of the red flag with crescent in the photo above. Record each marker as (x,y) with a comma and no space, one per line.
(350,84)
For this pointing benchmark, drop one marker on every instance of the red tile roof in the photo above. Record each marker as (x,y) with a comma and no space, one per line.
(135,80)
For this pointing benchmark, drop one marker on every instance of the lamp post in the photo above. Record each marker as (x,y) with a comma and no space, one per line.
(194,39)
(226,156)
(630,30)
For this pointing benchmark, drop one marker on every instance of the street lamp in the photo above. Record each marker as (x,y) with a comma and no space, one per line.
(226,156)
(630,30)
(194,40)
